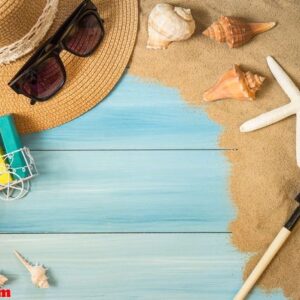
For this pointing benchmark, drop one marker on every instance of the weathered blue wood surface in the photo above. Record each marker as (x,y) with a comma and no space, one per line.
(126,267)
(123,191)
(135,116)
(132,164)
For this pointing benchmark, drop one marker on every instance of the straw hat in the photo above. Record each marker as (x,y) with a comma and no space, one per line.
(26,24)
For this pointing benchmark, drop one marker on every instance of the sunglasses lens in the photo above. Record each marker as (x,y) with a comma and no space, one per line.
(85,36)
(44,80)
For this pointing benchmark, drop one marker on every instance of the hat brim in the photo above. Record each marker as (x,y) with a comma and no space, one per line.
(89,80)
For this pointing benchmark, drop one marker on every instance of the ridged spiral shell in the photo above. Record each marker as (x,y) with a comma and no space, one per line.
(167,24)
(234,31)
(37,272)
(3,280)
(235,84)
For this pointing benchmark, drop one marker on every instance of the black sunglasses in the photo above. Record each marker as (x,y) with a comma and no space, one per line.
(44,74)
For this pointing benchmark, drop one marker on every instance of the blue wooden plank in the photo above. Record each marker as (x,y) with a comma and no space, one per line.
(123,191)
(126,267)
(136,115)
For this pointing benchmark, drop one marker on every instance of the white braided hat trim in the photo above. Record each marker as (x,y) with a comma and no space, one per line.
(33,38)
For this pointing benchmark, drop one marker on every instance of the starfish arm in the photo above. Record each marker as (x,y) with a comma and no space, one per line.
(298,139)
(284,80)
(269,118)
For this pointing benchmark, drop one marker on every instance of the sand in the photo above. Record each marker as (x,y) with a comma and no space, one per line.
(264,175)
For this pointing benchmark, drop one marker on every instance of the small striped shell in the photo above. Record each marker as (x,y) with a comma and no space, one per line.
(167,24)
(3,280)
(235,84)
(234,31)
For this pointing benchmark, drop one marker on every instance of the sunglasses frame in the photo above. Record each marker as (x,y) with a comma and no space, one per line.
(53,47)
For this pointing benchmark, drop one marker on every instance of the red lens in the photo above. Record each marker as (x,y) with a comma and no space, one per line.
(44,80)
(84,36)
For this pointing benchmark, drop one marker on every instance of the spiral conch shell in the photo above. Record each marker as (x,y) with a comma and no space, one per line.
(167,24)
(234,31)
(235,84)
(3,280)
(38,272)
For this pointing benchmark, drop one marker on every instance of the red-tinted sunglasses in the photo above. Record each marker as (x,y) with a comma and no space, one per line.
(44,74)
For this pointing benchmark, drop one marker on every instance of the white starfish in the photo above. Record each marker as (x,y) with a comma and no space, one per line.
(278,114)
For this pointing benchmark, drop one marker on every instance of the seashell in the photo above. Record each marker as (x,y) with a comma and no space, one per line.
(167,24)
(38,272)
(235,84)
(234,31)
(3,280)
